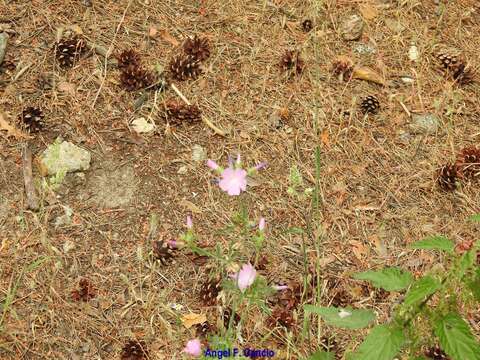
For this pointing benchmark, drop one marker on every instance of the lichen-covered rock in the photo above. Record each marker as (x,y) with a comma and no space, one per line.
(63,157)
(352,28)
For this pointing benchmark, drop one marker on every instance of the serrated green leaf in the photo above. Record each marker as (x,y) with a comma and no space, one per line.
(474,285)
(435,243)
(382,343)
(420,290)
(343,318)
(467,260)
(475,218)
(390,279)
(456,338)
(322,355)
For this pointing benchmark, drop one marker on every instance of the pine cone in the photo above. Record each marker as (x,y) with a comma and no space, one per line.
(436,353)
(291,61)
(178,113)
(227,314)
(291,297)
(468,162)
(370,105)
(85,292)
(32,119)
(205,329)
(455,66)
(164,251)
(281,316)
(135,77)
(447,176)
(127,58)
(134,350)
(328,343)
(67,51)
(307,25)
(197,48)
(185,67)
(343,68)
(341,299)
(210,290)
(7,66)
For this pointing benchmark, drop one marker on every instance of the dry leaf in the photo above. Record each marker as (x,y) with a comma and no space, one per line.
(152,32)
(190,206)
(324,137)
(67,88)
(11,130)
(365,73)
(368,11)
(165,35)
(326,260)
(359,249)
(379,244)
(191,319)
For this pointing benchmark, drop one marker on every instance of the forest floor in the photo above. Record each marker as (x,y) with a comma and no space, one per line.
(375,175)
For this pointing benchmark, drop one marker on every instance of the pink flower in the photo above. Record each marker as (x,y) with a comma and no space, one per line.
(233,181)
(189,222)
(194,348)
(246,276)
(172,243)
(212,164)
(261,224)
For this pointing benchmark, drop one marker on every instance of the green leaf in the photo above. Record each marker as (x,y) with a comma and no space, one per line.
(475,218)
(435,243)
(382,343)
(456,338)
(321,355)
(466,262)
(343,318)
(474,285)
(390,279)
(418,358)
(420,290)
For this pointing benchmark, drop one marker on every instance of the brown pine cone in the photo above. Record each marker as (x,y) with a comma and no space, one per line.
(164,251)
(281,316)
(134,77)
(32,119)
(468,162)
(435,353)
(291,61)
(184,66)
(127,58)
(85,292)
(197,48)
(447,176)
(178,113)
(67,51)
(134,350)
(210,289)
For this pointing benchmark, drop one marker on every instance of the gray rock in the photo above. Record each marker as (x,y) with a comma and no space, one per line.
(198,153)
(3,45)
(113,187)
(425,123)
(352,28)
(64,156)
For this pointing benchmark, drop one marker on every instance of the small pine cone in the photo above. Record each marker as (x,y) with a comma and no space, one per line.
(197,48)
(262,263)
(436,353)
(134,77)
(185,67)
(85,292)
(370,105)
(281,316)
(179,113)
(468,162)
(210,290)
(32,119)
(343,68)
(447,176)
(341,299)
(127,58)
(227,315)
(204,330)
(307,25)
(329,344)
(7,66)
(164,251)
(455,66)
(134,350)
(67,51)
(291,297)
(291,61)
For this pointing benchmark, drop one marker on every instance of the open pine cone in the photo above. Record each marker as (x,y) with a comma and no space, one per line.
(210,289)
(178,113)
(447,176)
(435,353)
(468,162)
(32,119)
(292,62)
(134,350)
(184,66)
(197,48)
(85,292)
(164,251)
(281,316)
(455,66)
(67,51)
(135,77)
(127,58)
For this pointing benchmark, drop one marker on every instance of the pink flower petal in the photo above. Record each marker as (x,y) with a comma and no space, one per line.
(261,224)
(189,222)
(246,277)
(233,181)
(212,164)
(193,347)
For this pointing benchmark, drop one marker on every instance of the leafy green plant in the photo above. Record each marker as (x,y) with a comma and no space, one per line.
(431,305)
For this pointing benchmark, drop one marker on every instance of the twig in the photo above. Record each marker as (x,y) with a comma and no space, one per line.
(204,119)
(32,199)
